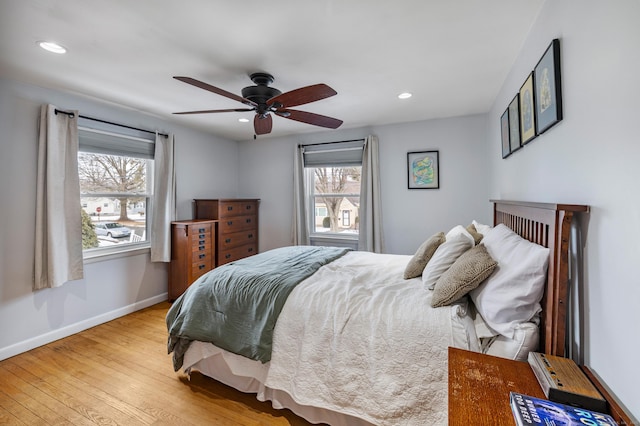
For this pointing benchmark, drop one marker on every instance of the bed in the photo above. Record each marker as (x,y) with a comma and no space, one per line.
(356,340)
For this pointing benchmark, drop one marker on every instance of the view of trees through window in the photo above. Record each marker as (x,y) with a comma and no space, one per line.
(336,199)
(114,192)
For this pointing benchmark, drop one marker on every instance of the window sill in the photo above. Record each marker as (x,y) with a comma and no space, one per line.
(336,240)
(110,254)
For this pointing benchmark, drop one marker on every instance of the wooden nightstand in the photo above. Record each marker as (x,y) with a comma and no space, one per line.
(479,387)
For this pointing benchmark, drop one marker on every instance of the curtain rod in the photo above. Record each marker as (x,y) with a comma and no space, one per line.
(70,114)
(329,143)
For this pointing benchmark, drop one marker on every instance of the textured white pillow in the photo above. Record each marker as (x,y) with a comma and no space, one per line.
(525,340)
(483,229)
(512,294)
(446,254)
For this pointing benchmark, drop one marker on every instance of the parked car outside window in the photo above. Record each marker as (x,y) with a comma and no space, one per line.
(112,229)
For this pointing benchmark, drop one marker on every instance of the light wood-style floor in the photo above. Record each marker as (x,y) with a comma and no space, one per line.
(119,373)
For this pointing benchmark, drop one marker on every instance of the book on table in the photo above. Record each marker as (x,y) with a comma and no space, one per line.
(528,410)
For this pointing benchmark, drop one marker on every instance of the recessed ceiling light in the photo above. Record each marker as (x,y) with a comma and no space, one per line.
(52,47)
(243,120)
(405,95)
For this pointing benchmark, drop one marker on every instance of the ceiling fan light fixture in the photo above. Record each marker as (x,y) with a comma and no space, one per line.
(404,95)
(243,120)
(53,47)
(266,101)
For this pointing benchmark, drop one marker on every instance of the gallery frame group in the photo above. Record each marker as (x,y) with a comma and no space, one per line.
(537,106)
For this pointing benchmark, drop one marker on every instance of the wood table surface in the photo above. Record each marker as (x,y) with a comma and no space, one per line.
(479,387)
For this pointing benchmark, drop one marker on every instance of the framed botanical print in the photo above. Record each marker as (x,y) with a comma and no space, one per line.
(548,93)
(423,170)
(527,111)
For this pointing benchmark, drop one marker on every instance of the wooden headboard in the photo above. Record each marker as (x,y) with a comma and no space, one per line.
(550,226)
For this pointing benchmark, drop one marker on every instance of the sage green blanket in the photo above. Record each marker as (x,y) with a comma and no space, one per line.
(236,306)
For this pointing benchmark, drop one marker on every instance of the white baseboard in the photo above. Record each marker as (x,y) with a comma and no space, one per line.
(60,333)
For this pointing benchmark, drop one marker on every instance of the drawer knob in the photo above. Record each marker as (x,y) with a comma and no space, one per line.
(248,220)
(229,222)
(248,207)
(201,230)
(250,236)
(202,256)
(201,248)
(228,255)
(228,240)
(229,208)
(201,266)
(250,249)
(201,241)
(201,236)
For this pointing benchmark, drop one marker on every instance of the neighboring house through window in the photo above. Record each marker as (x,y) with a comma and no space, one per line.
(116,175)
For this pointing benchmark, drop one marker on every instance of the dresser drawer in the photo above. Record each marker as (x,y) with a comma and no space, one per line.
(235,239)
(236,224)
(200,244)
(200,268)
(236,253)
(199,228)
(201,256)
(237,208)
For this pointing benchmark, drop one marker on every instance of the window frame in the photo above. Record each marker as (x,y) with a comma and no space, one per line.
(139,146)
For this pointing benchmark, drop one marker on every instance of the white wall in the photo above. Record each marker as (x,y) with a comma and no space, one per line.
(409,216)
(591,157)
(205,167)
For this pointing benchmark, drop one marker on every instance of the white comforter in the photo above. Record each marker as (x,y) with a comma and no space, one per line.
(358,339)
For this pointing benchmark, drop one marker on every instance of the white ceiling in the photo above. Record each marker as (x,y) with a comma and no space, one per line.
(453,55)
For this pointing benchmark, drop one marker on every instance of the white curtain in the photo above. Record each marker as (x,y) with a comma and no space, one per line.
(164,199)
(370,235)
(299,229)
(58,229)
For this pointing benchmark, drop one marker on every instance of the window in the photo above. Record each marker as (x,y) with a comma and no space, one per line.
(116,175)
(333,174)
(335,194)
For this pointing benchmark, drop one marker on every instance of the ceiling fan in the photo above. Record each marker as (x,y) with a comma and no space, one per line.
(265,100)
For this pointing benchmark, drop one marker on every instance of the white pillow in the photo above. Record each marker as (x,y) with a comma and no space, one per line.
(483,229)
(459,230)
(525,340)
(512,294)
(456,243)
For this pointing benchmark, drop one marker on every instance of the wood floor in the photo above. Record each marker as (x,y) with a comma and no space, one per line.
(119,373)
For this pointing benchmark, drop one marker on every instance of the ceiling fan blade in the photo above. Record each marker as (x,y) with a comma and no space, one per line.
(216,90)
(303,95)
(262,124)
(209,111)
(310,118)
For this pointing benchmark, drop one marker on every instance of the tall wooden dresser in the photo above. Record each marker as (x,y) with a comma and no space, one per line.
(237,234)
(192,253)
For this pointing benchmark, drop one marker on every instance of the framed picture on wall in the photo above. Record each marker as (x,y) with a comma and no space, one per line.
(548,91)
(423,170)
(527,111)
(514,124)
(504,131)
